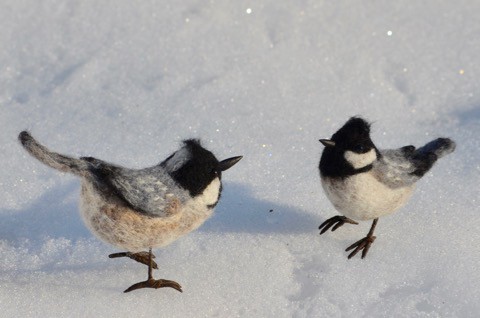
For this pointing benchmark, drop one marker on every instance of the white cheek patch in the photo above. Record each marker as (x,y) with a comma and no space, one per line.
(210,194)
(360,160)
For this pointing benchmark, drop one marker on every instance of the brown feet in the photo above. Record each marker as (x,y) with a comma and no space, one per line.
(141,257)
(338,219)
(155,283)
(147,259)
(363,244)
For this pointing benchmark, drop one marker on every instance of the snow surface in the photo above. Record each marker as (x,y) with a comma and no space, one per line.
(126,81)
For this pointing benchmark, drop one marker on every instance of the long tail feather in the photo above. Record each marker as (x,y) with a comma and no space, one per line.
(424,157)
(440,147)
(52,159)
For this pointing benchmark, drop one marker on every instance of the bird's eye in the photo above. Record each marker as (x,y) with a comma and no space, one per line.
(359,148)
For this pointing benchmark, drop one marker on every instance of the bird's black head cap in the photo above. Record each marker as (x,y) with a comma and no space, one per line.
(353,136)
(198,170)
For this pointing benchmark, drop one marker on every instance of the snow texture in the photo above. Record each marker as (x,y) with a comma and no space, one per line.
(126,81)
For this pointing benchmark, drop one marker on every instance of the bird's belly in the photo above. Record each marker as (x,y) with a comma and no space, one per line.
(119,225)
(363,197)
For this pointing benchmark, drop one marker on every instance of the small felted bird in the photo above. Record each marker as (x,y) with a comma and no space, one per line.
(365,183)
(138,209)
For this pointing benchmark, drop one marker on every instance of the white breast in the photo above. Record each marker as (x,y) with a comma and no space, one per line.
(363,197)
(112,221)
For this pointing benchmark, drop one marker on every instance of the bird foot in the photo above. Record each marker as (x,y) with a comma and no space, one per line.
(141,257)
(336,222)
(155,283)
(363,244)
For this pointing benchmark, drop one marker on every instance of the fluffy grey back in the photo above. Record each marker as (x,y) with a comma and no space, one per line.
(147,190)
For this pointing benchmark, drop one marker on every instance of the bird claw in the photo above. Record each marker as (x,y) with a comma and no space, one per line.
(155,283)
(336,222)
(141,257)
(363,244)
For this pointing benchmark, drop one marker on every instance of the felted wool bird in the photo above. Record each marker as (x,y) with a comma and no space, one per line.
(138,209)
(364,183)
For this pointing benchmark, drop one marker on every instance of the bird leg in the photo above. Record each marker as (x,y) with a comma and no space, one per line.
(154,283)
(141,257)
(339,219)
(364,243)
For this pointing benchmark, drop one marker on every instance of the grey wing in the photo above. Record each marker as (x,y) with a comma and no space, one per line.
(146,190)
(404,166)
(145,193)
(396,167)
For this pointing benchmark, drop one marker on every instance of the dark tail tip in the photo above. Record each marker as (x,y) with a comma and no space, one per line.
(425,157)
(447,145)
(439,146)
(25,137)
(443,146)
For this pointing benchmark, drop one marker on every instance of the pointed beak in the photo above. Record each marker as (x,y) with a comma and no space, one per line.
(228,163)
(327,142)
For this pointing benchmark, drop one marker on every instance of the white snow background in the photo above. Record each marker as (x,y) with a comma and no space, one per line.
(126,81)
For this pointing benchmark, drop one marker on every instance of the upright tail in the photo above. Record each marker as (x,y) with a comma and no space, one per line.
(52,159)
(424,157)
